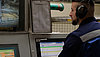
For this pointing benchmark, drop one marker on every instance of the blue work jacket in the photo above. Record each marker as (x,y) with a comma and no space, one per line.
(73,42)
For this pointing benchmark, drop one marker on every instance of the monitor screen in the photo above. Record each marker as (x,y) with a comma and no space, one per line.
(12,15)
(8,50)
(50,47)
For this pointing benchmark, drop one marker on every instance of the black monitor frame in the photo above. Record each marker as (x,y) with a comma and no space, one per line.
(21,15)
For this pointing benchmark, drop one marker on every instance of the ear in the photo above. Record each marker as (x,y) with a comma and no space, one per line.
(81,11)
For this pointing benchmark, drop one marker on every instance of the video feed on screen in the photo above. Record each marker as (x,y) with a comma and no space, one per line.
(9,14)
(51,49)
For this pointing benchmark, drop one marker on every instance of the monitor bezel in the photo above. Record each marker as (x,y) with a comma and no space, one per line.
(21,15)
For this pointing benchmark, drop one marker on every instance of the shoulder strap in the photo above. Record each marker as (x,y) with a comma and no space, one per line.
(90,35)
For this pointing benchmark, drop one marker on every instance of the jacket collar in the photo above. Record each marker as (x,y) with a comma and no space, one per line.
(87,20)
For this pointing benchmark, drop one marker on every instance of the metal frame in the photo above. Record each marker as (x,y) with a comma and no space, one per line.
(21,39)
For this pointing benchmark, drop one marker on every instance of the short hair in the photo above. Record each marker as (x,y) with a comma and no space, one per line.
(85,2)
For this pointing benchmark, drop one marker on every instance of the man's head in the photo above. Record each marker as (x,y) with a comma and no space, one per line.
(80,10)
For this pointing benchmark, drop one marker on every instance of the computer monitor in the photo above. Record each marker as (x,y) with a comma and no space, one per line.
(49,47)
(9,50)
(12,15)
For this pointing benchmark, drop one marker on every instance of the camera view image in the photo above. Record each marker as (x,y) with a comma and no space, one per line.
(9,14)
(51,49)
(7,53)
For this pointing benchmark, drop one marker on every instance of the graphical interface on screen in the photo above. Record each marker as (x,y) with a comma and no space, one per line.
(51,49)
(9,50)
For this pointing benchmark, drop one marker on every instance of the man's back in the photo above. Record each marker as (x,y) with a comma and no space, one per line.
(91,44)
(73,41)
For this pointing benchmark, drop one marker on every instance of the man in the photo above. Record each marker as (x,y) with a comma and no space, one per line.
(82,13)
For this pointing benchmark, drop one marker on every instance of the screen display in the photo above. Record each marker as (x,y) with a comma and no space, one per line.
(9,50)
(51,49)
(10,14)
